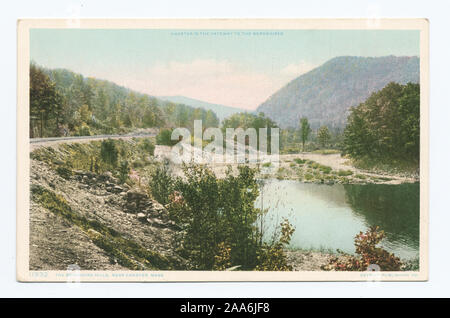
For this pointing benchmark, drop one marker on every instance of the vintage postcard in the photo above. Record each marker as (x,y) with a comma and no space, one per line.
(222,150)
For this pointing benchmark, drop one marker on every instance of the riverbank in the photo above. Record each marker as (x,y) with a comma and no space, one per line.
(301,260)
(64,174)
(332,169)
(309,168)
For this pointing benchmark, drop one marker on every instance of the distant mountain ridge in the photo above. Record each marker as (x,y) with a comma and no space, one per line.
(221,111)
(325,94)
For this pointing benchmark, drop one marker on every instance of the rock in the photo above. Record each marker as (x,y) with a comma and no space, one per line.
(133,195)
(108,174)
(117,189)
(142,217)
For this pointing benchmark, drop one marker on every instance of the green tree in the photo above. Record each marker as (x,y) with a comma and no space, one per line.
(109,153)
(147,146)
(124,171)
(115,116)
(218,218)
(61,101)
(248,120)
(85,113)
(323,135)
(305,130)
(386,127)
(161,184)
(46,103)
(164,137)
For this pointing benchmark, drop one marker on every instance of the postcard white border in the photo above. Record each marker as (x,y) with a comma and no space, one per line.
(23,162)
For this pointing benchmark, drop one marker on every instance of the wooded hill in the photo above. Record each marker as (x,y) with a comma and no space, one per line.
(66,103)
(325,94)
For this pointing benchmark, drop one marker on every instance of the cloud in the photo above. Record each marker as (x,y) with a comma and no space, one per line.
(220,82)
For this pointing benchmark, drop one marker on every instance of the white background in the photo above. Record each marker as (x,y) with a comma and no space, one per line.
(436,11)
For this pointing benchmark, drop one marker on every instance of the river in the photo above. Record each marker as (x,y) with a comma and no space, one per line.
(327,217)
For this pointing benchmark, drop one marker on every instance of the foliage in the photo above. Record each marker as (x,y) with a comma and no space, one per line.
(109,153)
(164,137)
(386,127)
(323,136)
(64,172)
(325,169)
(248,120)
(147,146)
(124,170)
(305,130)
(345,173)
(222,260)
(66,103)
(218,218)
(368,254)
(161,184)
(272,257)
(83,130)
(291,141)
(46,104)
(327,151)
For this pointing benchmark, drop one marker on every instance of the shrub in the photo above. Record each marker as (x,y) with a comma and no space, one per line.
(124,170)
(368,254)
(161,184)
(222,260)
(138,163)
(272,257)
(84,130)
(165,138)
(218,218)
(147,146)
(64,172)
(344,173)
(325,169)
(327,151)
(109,152)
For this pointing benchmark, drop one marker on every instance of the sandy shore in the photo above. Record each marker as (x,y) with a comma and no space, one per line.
(288,169)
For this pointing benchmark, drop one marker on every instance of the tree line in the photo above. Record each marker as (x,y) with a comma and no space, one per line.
(386,127)
(66,103)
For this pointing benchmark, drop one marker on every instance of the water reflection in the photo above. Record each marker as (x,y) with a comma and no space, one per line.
(395,208)
(328,217)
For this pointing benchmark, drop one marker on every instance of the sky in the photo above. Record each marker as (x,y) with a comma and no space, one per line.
(238,68)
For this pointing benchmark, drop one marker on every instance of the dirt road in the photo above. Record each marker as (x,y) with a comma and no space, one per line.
(44,142)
